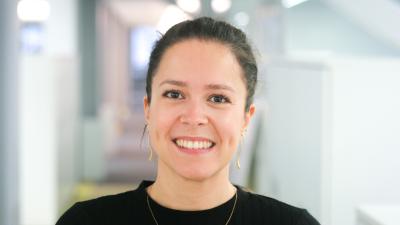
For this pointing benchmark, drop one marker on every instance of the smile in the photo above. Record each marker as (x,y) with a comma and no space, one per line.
(193,144)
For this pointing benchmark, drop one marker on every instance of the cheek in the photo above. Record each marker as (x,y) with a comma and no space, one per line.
(229,126)
(161,119)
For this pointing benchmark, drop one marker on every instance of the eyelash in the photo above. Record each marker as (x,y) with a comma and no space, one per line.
(224,99)
(168,93)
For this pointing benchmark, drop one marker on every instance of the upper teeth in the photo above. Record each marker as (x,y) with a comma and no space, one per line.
(193,144)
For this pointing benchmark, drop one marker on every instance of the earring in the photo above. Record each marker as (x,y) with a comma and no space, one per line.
(240,149)
(149,147)
(238,157)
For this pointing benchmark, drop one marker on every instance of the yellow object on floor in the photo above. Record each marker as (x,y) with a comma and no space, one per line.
(85,191)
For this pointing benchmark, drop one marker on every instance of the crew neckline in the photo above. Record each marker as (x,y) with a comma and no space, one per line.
(222,207)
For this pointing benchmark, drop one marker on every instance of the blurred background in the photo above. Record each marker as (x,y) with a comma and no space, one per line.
(326,135)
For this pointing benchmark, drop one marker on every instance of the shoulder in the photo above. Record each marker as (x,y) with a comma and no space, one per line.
(268,210)
(104,210)
(254,200)
(114,203)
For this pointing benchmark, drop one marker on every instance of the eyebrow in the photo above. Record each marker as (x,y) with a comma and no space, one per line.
(219,87)
(208,86)
(174,82)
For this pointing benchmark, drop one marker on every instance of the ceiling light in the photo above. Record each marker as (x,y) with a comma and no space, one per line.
(190,6)
(171,16)
(221,6)
(33,10)
(291,3)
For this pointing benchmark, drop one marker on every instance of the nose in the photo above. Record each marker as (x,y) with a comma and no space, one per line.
(194,114)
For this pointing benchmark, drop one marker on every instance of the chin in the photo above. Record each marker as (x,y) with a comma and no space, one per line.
(198,174)
(197,177)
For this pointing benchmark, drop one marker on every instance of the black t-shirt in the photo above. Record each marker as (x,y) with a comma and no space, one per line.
(131,208)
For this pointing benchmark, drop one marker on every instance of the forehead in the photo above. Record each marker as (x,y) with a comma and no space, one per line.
(199,59)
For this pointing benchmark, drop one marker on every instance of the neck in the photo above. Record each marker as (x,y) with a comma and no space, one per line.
(176,192)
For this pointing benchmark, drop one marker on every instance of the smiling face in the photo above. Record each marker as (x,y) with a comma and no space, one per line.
(196,115)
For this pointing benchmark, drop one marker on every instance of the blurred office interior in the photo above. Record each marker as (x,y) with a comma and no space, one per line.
(326,135)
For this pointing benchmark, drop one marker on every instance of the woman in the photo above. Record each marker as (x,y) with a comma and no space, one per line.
(200,86)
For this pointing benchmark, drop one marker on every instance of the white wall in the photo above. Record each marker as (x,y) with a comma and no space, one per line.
(315,26)
(377,17)
(68,125)
(366,130)
(48,137)
(61,28)
(289,159)
(38,156)
(49,128)
(332,135)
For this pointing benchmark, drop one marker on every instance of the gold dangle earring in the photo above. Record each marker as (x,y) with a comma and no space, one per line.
(149,147)
(238,156)
(240,149)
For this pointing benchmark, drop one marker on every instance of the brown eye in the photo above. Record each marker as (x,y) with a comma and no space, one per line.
(219,99)
(173,94)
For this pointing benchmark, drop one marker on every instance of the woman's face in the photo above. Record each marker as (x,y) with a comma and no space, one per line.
(196,115)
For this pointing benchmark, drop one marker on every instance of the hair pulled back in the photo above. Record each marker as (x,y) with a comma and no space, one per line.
(208,29)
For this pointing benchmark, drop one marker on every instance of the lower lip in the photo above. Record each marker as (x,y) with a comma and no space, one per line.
(194,151)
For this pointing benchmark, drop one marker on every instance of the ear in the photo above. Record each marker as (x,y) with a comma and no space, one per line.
(146,108)
(248,115)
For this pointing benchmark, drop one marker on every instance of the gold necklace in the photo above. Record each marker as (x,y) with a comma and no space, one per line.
(155,220)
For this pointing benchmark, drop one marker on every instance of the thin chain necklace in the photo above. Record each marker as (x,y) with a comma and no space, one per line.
(155,220)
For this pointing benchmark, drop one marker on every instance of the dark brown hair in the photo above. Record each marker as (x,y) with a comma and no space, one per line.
(208,29)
